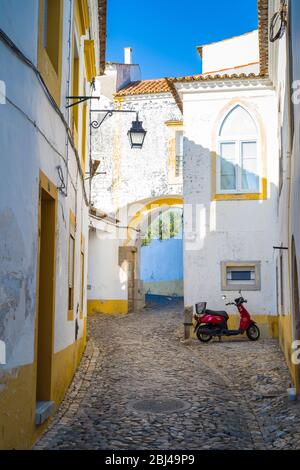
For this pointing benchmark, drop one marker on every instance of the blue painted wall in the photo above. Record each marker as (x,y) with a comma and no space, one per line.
(162,260)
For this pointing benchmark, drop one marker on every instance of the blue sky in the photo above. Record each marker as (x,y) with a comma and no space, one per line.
(164,33)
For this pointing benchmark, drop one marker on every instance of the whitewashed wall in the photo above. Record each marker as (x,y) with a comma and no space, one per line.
(24,152)
(134,174)
(106,279)
(295,157)
(230,230)
(278,72)
(232,52)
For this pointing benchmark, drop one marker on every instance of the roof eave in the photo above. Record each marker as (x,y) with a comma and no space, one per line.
(102,14)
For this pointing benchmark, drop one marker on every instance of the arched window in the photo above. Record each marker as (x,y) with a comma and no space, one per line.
(238,162)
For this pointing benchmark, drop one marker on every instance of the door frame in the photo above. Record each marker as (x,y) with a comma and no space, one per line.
(50,189)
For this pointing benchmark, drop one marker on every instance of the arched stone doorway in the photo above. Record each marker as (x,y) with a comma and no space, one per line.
(140,215)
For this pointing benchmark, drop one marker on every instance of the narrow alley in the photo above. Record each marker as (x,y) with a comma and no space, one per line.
(140,386)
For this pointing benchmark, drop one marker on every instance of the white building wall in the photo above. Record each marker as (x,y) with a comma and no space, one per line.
(228,230)
(33,138)
(134,174)
(232,52)
(106,279)
(132,177)
(19,20)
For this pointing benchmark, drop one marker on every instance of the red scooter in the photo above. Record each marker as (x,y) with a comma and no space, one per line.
(210,323)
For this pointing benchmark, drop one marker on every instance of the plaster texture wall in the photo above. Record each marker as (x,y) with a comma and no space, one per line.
(106,278)
(33,139)
(284,69)
(162,267)
(19,208)
(295,190)
(130,176)
(227,230)
(134,174)
(19,20)
(232,52)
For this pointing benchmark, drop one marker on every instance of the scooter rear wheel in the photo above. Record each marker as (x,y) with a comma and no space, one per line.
(253,332)
(203,337)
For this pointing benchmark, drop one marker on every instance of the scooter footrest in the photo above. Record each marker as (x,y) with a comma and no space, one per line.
(232,332)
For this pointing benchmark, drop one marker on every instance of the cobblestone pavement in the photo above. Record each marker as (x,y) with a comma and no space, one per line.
(232,393)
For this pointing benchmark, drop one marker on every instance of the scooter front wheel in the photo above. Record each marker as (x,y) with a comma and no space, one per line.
(253,332)
(203,337)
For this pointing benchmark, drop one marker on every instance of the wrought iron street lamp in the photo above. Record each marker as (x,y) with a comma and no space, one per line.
(136,134)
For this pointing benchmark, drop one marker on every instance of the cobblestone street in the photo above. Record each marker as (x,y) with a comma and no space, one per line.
(227,395)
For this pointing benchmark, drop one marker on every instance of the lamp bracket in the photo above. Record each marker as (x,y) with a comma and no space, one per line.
(80,99)
(108,112)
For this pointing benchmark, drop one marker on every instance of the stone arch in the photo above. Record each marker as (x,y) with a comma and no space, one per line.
(148,206)
(130,250)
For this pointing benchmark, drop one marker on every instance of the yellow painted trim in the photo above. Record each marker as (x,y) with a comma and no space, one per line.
(75,92)
(263,194)
(17,396)
(108,307)
(174,126)
(81,15)
(84,331)
(285,340)
(152,205)
(51,76)
(72,230)
(118,99)
(82,275)
(46,374)
(84,138)
(89,59)
(174,123)
(65,364)
(17,408)
(244,196)
(72,219)
(47,185)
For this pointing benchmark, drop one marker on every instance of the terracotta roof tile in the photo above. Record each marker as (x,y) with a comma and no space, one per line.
(263,35)
(142,87)
(102,14)
(207,77)
(166,85)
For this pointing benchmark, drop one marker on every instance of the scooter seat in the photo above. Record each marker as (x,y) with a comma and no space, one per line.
(221,313)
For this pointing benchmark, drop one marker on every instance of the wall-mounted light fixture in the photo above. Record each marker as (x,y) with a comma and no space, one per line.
(137,134)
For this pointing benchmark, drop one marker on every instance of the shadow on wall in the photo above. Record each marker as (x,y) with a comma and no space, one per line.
(162,267)
(229,214)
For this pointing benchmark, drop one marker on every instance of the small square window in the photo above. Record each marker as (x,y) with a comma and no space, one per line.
(240,275)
